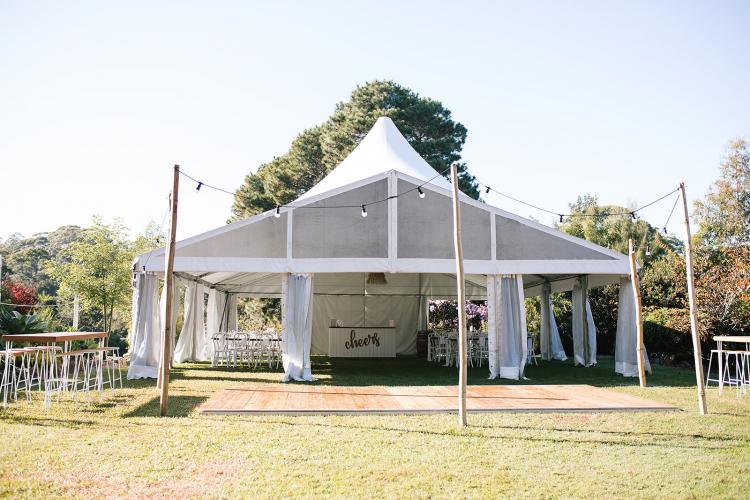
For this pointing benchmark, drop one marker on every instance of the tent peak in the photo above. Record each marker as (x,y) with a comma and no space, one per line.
(382,150)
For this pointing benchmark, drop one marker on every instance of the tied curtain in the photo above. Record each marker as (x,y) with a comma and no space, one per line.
(221,316)
(175,311)
(584,331)
(549,340)
(191,345)
(230,313)
(145,344)
(296,319)
(424,313)
(216,303)
(626,342)
(506,326)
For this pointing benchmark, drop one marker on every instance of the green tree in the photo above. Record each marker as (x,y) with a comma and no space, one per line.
(595,223)
(425,123)
(25,259)
(97,268)
(724,216)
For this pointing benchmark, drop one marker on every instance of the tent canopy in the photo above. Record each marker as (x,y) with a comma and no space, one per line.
(367,246)
(324,231)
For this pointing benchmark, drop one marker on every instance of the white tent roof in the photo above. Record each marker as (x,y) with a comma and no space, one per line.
(323,231)
(381,150)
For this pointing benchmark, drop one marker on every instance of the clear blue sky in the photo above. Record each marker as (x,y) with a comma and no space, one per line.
(99,99)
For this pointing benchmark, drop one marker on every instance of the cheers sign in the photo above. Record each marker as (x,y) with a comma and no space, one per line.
(354,342)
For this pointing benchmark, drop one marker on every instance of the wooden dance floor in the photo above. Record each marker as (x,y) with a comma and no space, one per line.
(297,399)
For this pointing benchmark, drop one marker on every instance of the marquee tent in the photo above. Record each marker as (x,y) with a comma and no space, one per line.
(368,245)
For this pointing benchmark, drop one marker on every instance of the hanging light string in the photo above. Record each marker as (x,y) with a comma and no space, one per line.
(676,199)
(418,188)
(203,184)
(488,189)
(363,206)
(562,216)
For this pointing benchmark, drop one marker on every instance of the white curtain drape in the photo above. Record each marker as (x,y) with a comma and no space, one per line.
(231,312)
(424,313)
(216,304)
(550,343)
(175,312)
(191,345)
(146,328)
(626,342)
(584,331)
(506,326)
(296,319)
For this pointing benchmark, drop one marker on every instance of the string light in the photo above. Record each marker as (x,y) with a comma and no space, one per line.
(200,184)
(676,199)
(422,194)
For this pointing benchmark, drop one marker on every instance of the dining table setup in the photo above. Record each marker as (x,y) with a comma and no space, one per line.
(253,349)
(442,348)
(54,363)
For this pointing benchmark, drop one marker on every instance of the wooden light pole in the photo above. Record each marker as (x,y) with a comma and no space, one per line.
(169,300)
(638,315)
(461,299)
(698,358)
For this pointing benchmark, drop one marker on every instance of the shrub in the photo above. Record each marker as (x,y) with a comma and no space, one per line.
(666,333)
(15,322)
(17,292)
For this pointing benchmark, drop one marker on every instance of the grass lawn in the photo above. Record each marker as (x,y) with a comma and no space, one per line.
(118,447)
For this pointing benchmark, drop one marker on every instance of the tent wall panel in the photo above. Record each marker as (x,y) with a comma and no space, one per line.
(350,309)
(405,313)
(265,238)
(516,241)
(425,227)
(337,233)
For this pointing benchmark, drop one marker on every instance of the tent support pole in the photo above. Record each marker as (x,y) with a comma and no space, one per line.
(638,315)
(461,299)
(698,358)
(169,302)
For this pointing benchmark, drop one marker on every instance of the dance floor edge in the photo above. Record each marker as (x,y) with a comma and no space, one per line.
(299,399)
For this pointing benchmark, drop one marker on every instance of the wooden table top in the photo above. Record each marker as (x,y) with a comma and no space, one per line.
(44,338)
(732,338)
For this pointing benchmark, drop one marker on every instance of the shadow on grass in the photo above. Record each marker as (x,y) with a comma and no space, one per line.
(616,439)
(658,435)
(179,406)
(44,421)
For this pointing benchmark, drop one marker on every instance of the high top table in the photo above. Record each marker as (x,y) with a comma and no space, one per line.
(64,338)
(720,339)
